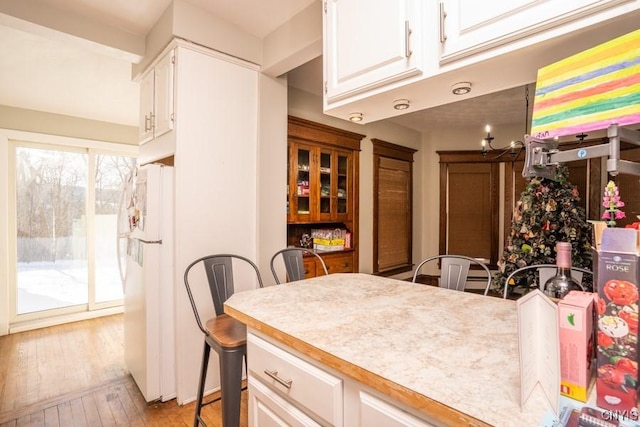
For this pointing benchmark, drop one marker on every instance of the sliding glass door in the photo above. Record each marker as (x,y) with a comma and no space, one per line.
(65,221)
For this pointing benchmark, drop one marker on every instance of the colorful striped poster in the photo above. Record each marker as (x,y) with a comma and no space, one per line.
(590,90)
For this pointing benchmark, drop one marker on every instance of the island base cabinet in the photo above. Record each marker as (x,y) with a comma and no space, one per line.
(287,388)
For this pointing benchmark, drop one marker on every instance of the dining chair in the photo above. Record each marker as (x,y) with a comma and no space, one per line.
(224,334)
(454,271)
(294,263)
(545,272)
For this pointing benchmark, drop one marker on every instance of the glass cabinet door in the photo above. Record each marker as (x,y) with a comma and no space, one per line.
(343,186)
(325,170)
(320,186)
(302,205)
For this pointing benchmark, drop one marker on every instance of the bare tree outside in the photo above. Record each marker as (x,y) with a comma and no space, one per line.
(111,172)
(51,219)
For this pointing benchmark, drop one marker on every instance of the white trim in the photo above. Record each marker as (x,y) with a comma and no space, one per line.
(42,138)
(59,320)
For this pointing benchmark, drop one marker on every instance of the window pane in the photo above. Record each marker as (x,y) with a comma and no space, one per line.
(111,172)
(51,229)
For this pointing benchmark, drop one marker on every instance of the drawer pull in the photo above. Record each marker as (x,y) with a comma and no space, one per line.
(274,375)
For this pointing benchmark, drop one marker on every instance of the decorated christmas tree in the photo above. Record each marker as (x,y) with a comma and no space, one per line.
(546,213)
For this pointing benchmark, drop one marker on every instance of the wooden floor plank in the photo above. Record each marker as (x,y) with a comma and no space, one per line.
(77,411)
(93,389)
(23,421)
(51,417)
(91,410)
(131,412)
(104,410)
(36,419)
(65,414)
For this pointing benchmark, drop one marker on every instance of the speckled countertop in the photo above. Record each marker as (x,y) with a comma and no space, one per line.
(453,355)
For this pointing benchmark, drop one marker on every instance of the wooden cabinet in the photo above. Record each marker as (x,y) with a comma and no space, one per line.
(352,27)
(322,187)
(321,183)
(470,26)
(156,99)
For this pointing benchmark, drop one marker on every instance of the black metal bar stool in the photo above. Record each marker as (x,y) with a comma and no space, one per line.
(225,335)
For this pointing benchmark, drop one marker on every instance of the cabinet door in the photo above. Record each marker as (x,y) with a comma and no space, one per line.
(163,99)
(370,43)
(327,185)
(344,186)
(145,128)
(471,26)
(336,186)
(301,180)
(378,413)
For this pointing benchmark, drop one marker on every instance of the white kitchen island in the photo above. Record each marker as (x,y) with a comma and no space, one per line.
(367,350)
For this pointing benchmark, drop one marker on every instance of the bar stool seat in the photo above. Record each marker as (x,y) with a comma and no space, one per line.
(226,331)
(225,335)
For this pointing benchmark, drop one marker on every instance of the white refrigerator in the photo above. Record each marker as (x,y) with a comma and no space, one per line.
(146,238)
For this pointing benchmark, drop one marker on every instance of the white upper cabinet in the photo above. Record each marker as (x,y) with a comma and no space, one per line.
(468,27)
(370,43)
(156,99)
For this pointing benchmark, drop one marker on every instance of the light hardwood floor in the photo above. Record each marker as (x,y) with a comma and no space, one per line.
(74,375)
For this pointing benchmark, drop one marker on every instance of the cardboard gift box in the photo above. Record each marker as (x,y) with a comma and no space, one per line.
(618,276)
(575,323)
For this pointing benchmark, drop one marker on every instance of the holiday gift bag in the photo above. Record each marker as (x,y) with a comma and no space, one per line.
(618,276)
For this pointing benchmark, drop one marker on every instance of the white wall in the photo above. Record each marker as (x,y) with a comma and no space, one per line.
(272,171)
(58,124)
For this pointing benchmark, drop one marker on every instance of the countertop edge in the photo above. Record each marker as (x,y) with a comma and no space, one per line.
(430,407)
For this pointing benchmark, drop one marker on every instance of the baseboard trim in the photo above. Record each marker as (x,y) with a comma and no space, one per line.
(29,325)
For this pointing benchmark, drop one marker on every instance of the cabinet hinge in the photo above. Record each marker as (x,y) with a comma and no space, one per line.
(172,117)
(325,6)
(173,59)
(325,87)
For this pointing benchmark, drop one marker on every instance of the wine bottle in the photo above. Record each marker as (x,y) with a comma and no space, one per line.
(562,283)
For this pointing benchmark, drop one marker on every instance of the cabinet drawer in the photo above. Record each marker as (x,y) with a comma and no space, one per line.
(316,392)
(310,266)
(267,408)
(339,263)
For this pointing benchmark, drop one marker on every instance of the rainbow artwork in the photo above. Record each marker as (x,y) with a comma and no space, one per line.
(590,90)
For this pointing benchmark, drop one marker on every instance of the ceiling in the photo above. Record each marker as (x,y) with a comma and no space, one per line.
(64,78)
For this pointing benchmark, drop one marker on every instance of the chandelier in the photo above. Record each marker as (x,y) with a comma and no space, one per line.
(515,147)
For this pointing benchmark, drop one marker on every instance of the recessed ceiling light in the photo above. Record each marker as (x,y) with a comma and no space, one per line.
(355,117)
(461,88)
(401,104)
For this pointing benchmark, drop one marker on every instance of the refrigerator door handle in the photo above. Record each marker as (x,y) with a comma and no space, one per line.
(121,235)
(151,242)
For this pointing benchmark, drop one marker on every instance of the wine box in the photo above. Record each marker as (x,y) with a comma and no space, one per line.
(575,323)
(617,275)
